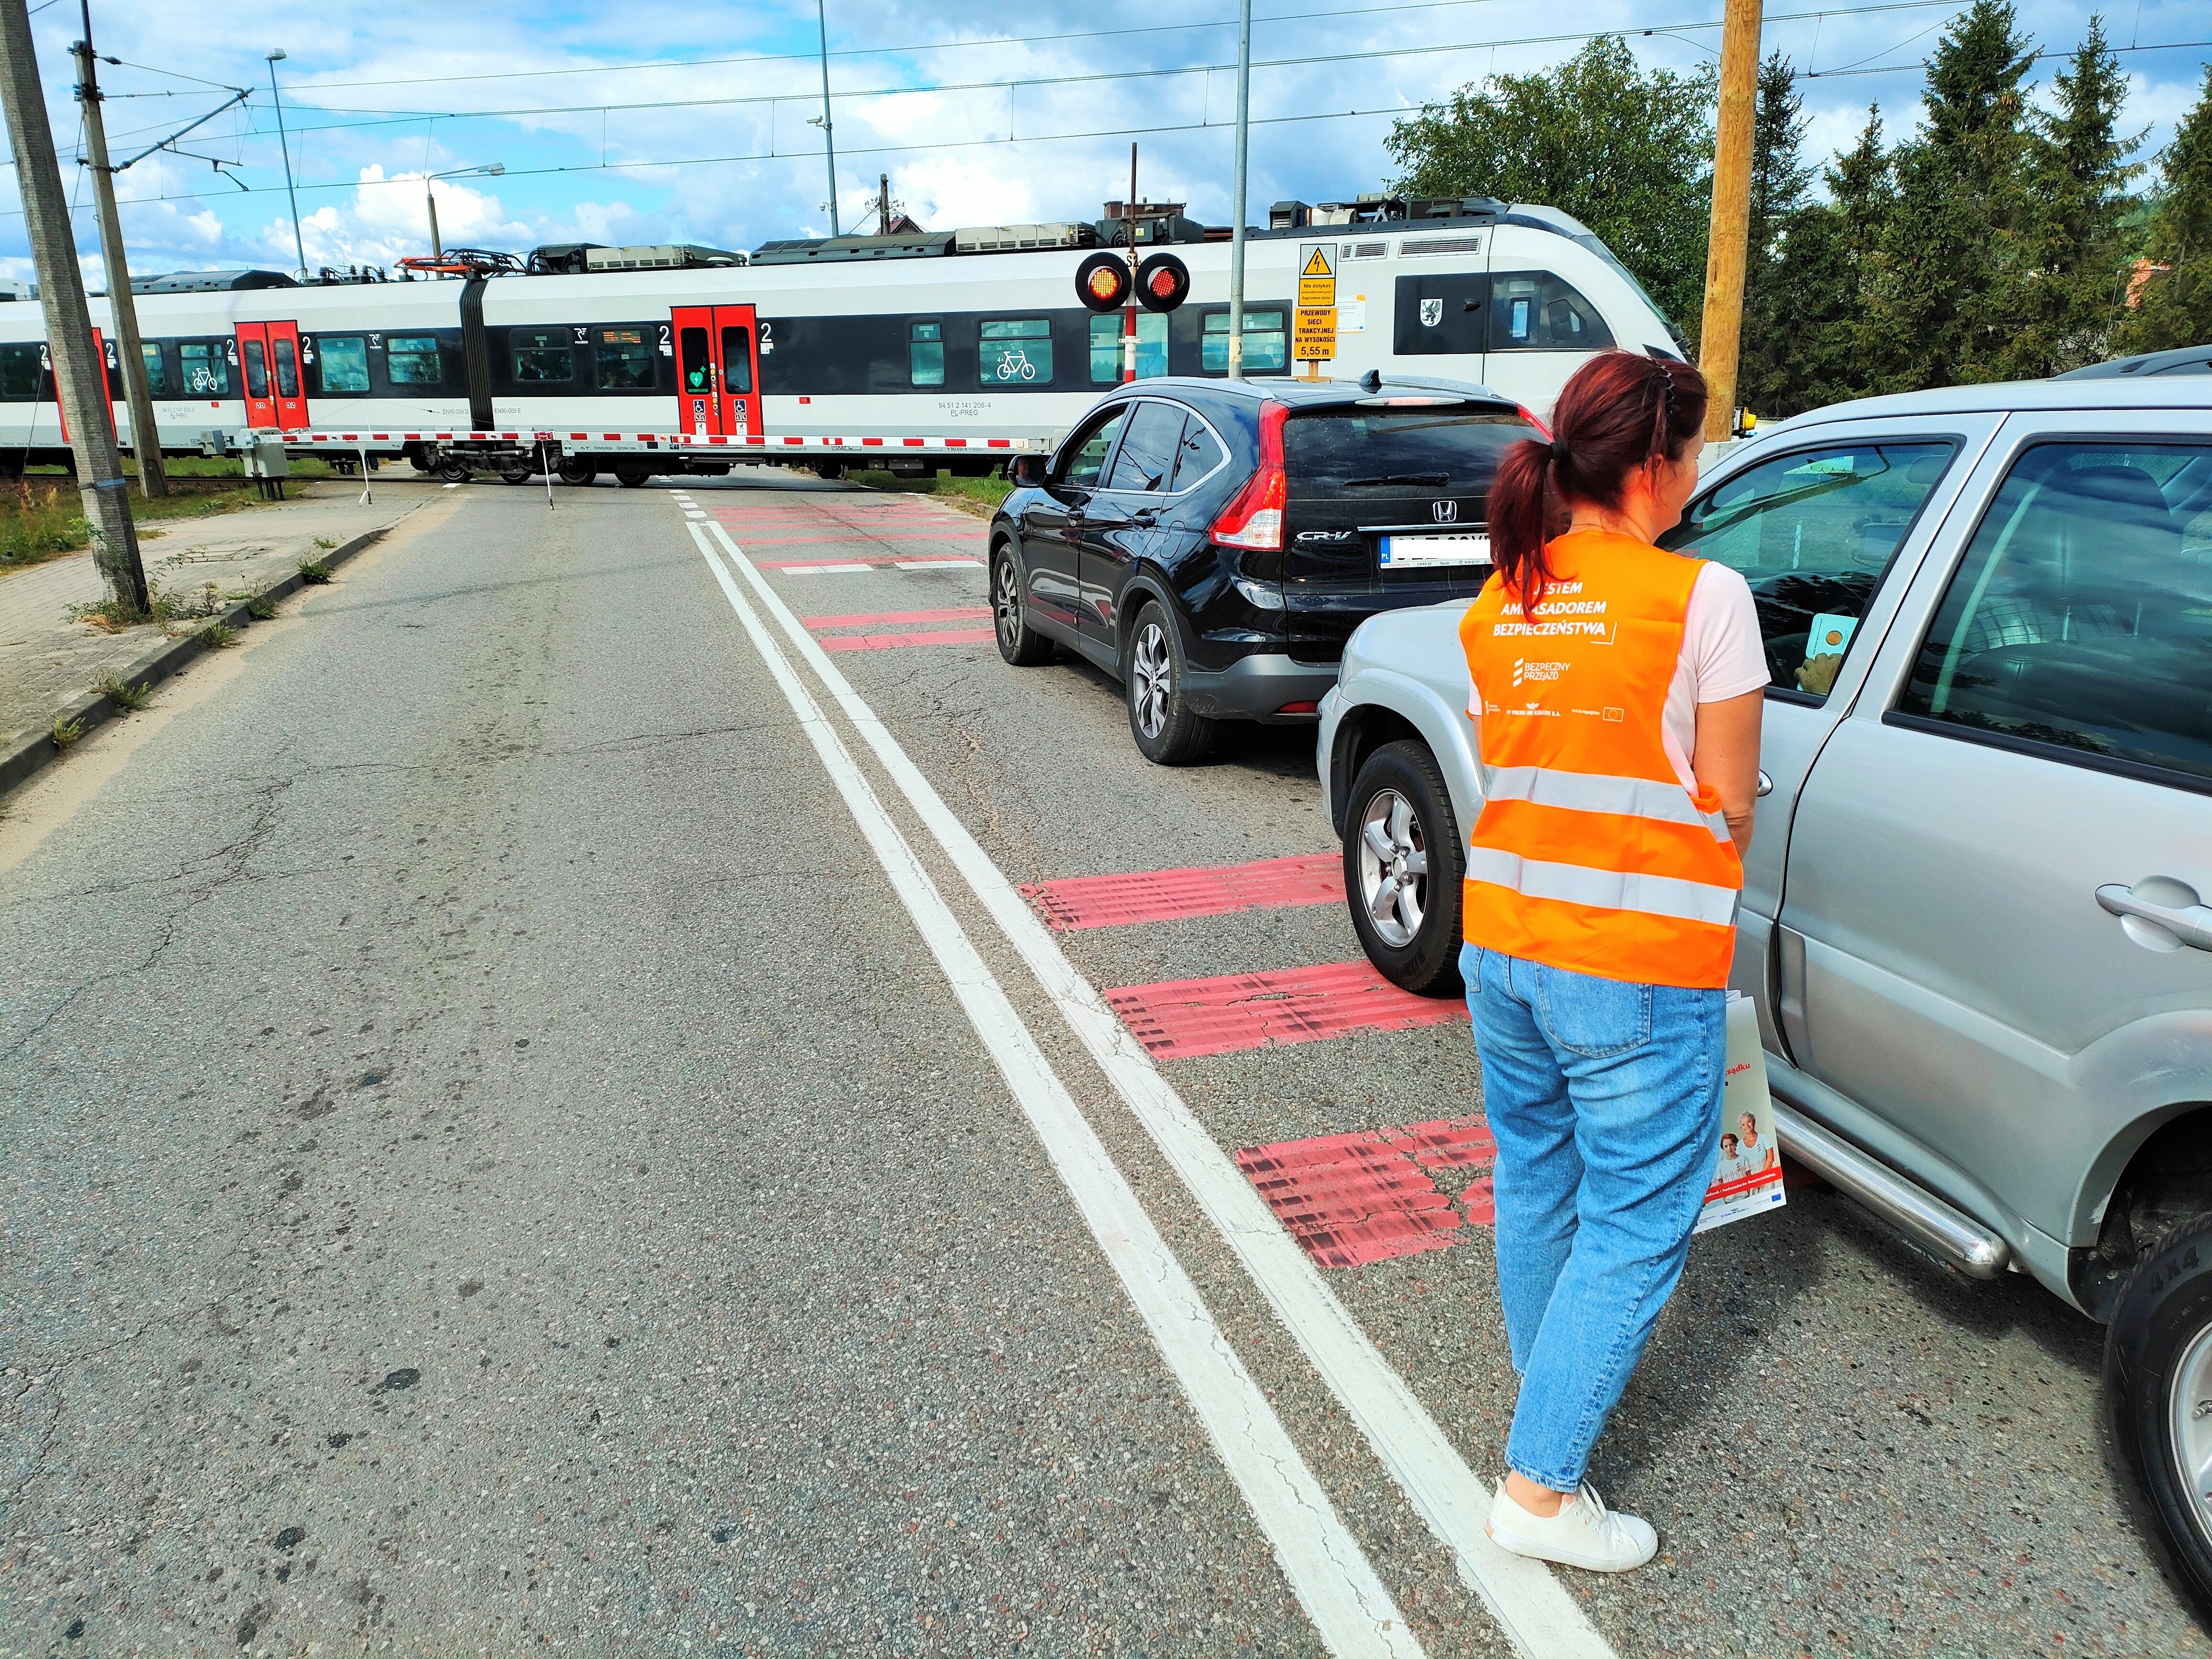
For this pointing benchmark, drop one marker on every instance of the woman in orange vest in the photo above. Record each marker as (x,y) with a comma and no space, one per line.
(1617,693)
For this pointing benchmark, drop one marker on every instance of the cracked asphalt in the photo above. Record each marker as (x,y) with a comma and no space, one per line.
(489,1166)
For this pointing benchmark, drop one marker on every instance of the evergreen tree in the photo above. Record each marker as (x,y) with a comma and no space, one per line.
(1952,284)
(2073,236)
(2176,308)
(1831,258)
(1629,154)
(1780,182)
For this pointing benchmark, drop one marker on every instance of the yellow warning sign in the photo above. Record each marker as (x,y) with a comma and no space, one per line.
(1317,277)
(1313,335)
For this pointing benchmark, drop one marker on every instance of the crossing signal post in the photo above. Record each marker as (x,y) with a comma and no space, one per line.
(1106,282)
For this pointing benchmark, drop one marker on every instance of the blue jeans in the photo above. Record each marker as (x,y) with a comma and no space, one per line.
(1605,1100)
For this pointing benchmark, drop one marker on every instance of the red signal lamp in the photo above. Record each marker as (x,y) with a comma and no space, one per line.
(1162,282)
(1102,282)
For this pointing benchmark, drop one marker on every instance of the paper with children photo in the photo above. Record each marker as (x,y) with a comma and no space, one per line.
(1748,1176)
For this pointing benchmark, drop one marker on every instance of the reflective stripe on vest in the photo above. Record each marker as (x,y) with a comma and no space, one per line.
(1594,792)
(1605,890)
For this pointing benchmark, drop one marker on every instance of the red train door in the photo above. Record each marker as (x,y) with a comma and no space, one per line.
(270,366)
(718,366)
(111,372)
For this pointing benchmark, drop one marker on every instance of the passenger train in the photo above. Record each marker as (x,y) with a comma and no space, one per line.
(935,348)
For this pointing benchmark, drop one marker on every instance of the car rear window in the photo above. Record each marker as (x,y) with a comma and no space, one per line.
(1331,452)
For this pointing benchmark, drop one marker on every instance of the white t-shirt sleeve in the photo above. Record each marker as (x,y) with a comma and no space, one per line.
(1722,657)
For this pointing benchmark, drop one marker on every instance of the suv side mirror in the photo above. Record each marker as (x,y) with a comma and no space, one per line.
(1028,471)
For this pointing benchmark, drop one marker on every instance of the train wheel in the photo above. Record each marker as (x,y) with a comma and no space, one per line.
(576,470)
(453,471)
(632,475)
(518,471)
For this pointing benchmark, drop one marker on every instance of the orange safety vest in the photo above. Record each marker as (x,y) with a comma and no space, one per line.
(1590,854)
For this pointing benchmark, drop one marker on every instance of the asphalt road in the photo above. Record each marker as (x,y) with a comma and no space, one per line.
(497,1159)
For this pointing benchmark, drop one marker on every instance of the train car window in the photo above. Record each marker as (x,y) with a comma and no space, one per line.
(206,373)
(412,360)
(343,361)
(541,356)
(1537,311)
(925,353)
(626,361)
(1106,347)
(737,358)
(157,370)
(257,371)
(1440,314)
(1015,352)
(20,373)
(1266,346)
(698,364)
(288,368)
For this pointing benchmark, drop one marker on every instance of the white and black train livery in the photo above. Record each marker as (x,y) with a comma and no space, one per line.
(927,348)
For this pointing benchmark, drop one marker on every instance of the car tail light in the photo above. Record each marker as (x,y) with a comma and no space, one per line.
(1254,518)
(1299,708)
(1529,415)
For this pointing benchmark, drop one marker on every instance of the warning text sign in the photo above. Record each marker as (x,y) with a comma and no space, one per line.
(1316,275)
(1313,336)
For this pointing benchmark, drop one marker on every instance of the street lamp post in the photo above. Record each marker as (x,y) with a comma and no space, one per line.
(828,144)
(492,169)
(275,55)
(1236,219)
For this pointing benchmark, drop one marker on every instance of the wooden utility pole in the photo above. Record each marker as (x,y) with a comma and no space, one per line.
(138,395)
(78,374)
(1720,341)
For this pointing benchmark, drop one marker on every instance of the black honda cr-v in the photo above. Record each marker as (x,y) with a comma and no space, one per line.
(1212,543)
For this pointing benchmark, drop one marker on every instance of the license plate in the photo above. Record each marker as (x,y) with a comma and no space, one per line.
(1404,552)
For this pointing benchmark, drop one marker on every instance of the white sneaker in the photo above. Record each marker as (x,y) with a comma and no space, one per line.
(1583,1534)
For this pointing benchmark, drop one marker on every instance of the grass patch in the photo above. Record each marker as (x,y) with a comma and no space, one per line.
(980,494)
(66,732)
(128,697)
(165,607)
(42,516)
(216,636)
(314,572)
(326,543)
(261,607)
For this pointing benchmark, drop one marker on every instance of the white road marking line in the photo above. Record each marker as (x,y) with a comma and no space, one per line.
(824,570)
(936,564)
(694,514)
(1326,1569)
(1538,1615)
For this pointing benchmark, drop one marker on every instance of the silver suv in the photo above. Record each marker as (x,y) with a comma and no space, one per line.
(1976,914)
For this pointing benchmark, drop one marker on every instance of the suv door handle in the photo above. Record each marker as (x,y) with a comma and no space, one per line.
(2170,926)
(1145,516)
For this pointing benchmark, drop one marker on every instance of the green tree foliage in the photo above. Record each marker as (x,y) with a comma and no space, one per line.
(2177,307)
(1628,153)
(1946,300)
(2080,175)
(1780,185)
(1816,349)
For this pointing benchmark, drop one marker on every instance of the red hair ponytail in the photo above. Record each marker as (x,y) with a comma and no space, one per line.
(1617,411)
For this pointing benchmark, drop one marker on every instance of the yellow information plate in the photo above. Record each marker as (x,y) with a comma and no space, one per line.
(1313,336)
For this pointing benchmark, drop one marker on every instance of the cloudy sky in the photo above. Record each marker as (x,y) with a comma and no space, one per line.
(634,123)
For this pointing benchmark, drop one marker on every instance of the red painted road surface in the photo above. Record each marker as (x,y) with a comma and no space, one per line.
(1377,1193)
(1162,895)
(1178,1019)
(890,642)
(894,618)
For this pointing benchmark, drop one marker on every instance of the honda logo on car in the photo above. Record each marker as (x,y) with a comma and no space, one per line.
(1445,512)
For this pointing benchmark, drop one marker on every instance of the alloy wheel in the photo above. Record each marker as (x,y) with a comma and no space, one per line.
(1009,604)
(2189,1403)
(1393,868)
(1152,680)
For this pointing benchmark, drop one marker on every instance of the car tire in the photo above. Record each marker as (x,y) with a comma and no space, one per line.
(1155,681)
(1018,643)
(2158,1405)
(1402,856)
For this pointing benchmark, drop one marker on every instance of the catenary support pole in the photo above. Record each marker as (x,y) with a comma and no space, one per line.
(828,144)
(430,201)
(284,148)
(1237,194)
(1129,310)
(138,395)
(1720,340)
(78,374)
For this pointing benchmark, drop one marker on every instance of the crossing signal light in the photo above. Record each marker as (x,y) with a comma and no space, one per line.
(1162,282)
(1102,282)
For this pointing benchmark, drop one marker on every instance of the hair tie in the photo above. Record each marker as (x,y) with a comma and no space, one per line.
(1558,452)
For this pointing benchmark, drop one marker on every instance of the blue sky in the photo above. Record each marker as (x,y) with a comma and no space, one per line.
(581,104)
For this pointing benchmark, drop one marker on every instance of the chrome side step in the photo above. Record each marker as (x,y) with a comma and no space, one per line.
(1948,1234)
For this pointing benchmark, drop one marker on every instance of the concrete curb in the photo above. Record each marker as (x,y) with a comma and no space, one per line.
(31,752)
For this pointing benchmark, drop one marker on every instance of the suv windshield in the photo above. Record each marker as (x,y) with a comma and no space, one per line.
(1330,451)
